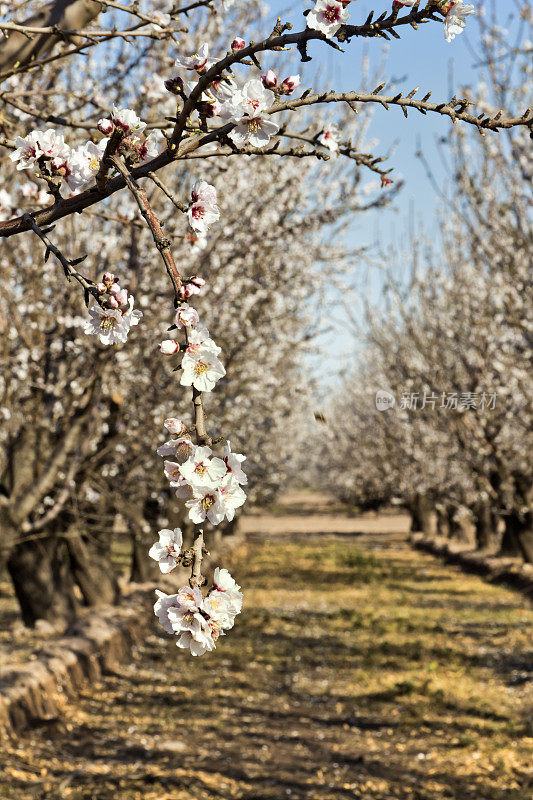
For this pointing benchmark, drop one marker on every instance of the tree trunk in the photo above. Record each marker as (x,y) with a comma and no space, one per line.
(92,570)
(517,537)
(486,524)
(39,570)
(421,515)
(443,527)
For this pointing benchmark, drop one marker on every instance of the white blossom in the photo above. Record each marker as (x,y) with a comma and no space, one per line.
(168,550)
(205,504)
(455,21)
(203,210)
(327,17)
(200,341)
(201,470)
(245,107)
(174,425)
(112,325)
(180,449)
(201,370)
(186,316)
(127,119)
(231,496)
(330,138)
(199,61)
(233,464)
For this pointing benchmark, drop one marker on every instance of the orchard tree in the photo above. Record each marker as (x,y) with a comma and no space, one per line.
(192,124)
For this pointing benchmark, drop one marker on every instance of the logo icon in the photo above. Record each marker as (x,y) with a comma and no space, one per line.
(384,400)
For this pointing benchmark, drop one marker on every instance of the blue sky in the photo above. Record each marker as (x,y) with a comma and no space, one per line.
(420,58)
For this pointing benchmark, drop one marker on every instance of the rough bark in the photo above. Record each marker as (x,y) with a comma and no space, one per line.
(485,525)
(92,570)
(41,578)
(517,537)
(421,513)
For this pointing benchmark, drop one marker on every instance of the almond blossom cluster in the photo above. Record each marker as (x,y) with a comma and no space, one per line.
(211,486)
(196,620)
(245,106)
(114,315)
(65,169)
(69,170)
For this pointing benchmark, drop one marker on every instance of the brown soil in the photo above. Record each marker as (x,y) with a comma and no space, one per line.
(360,668)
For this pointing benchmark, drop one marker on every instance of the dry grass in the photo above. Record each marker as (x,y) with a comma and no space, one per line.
(359,669)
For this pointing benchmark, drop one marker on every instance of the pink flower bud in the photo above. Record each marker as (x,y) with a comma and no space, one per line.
(122,297)
(290,84)
(175,425)
(192,289)
(197,280)
(115,289)
(269,80)
(186,316)
(113,302)
(168,348)
(108,277)
(101,288)
(238,43)
(105,126)
(385,181)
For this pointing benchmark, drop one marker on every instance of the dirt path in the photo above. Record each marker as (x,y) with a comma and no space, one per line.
(360,669)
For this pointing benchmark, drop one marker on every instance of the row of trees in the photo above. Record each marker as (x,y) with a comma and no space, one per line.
(453,345)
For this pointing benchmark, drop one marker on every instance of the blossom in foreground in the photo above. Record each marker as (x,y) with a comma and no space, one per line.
(455,21)
(201,370)
(112,325)
(81,167)
(167,550)
(169,346)
(203,210)
(289,84)
(224,582)
(127,119)
(245,108)
(233,463)
(199,61)
(201,470)
(205,504)
(195,620)
(231,496)
(39,144)
(269,80)
(199,340)
(27,150)
(176,426)
(180,449)
(327,17)
(186,316)
(330,138)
